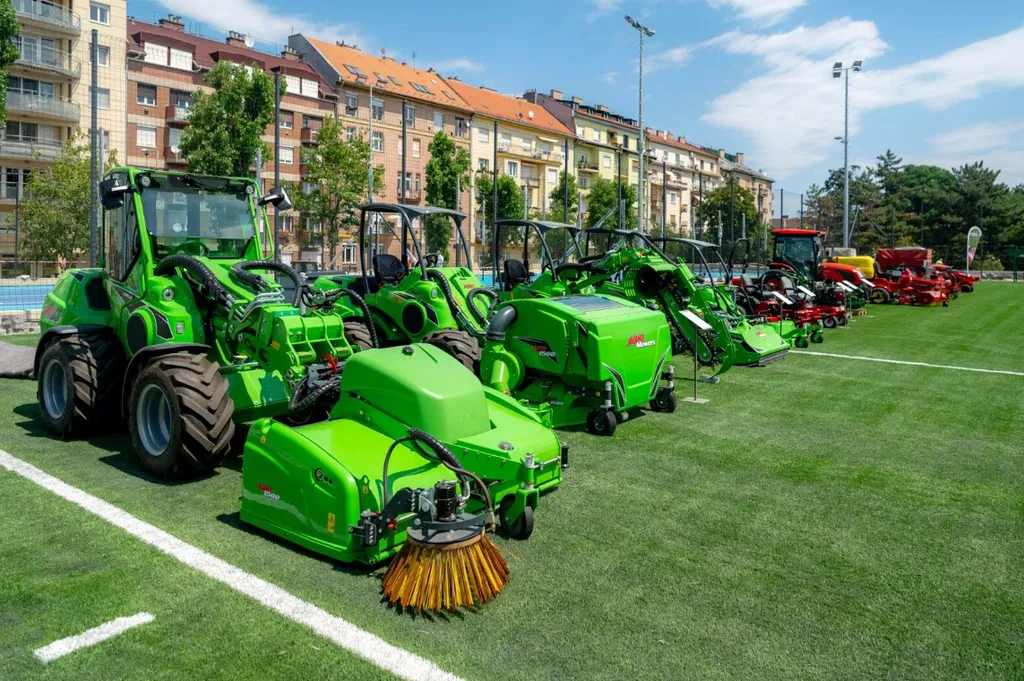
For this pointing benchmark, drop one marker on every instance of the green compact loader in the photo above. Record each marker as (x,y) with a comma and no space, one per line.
(183,332)
(413,302)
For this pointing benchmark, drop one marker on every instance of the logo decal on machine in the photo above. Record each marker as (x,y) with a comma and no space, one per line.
(637,341)
(542,348)
(268,492)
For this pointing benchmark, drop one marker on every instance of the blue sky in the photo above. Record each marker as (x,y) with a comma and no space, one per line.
(943,81)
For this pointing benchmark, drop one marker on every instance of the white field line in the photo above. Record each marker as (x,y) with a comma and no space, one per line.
(371,648)
(913,364)
(91,637)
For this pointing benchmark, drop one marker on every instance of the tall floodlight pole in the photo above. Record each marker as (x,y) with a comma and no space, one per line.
(644,31)
(837,71)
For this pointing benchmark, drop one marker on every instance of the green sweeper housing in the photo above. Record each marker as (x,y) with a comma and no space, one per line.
(183,332)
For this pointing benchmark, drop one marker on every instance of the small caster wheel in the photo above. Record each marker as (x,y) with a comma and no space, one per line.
(521,527)
(829,322)
(801,342)
(664,401)
(602,422)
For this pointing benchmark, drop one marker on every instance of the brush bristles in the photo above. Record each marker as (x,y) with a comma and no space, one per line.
(446,577)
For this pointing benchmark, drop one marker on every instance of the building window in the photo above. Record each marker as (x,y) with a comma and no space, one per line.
(438,121)
(672,198)
(483,135)
(506,141)
(102,98)
(286,223)
(99,13)
(102,55)
(460,127)
(351,104)
(400,149)
(410,115)
(597,135)
(483,164)
(181,59)
(292,85)
(377,141)
(348,253)
(310,88)
(146,95)
(182,100)
(378,109)
(636,166)
(287,120)
(606,161)
(512,168)
(581,131)
(156,54)
(287,155)
(145,136)
(415,148)
(583,182)
(173,138)
(552,176)
(350,134)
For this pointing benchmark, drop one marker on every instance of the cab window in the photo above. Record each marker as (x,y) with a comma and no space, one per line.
(121,238)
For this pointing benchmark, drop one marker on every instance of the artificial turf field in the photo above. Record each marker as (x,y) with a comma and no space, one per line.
(821,518)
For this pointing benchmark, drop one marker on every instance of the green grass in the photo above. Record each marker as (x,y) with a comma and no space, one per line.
(26,339)
(821,518)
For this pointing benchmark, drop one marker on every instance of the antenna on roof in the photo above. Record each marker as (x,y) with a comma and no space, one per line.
(414,59)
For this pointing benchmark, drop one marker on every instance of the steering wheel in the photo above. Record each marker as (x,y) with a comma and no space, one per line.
(429,260)
(191,247)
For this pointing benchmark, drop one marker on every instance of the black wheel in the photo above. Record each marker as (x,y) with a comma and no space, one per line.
(801,342)
(180,416)
(829,322)
(966,288)
(664,401)
(818,337)
(602,422)
(521,527)
(844,320)
(358,335)
(880,296)
(459,345)
(79,383)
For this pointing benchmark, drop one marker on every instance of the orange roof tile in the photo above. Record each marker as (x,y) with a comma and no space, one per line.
(510,109)
(341,57)
(676,142)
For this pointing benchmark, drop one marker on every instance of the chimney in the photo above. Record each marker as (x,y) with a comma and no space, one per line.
(577,100)
(236,39)
(288,54)
(557,94)
(173,22)
(602,108)
(721,153)
(739,157)
(659,133)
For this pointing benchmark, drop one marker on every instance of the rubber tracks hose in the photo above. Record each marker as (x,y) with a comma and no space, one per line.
(473,310)
(460,316)
(445,456)
(257,282)
(199,270)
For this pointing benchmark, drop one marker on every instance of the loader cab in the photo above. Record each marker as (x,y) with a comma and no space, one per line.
(799,250)
(553,244)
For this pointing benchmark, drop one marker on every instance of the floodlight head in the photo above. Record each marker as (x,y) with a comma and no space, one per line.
(858,65)
(837,66)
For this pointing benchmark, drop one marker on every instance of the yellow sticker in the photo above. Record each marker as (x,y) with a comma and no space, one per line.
(275,345)
(330,522)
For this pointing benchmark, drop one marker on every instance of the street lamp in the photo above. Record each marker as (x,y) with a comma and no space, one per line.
(644,31)
(837,71)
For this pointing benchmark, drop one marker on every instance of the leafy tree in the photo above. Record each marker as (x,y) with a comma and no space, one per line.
(55,211)
(337,180)
(718,202)
(604,198)
(510,205)
(9,28)
(556,207)
(226,126)
(447,171)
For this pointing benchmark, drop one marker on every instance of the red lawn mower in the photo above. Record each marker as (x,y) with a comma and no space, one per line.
(905,276)
(964,282)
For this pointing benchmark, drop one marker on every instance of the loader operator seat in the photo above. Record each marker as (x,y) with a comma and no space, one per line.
(389,268)
(515,273)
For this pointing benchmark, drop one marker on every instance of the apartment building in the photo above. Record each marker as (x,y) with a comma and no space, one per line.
(671,163)
(48,93)
(166,66)
(380,92)
(755,181)
(532,146)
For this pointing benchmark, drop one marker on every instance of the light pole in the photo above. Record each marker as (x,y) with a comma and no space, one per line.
(644,31)
(837,71)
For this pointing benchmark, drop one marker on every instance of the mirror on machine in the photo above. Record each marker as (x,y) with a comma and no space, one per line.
(278,198)
(112,191)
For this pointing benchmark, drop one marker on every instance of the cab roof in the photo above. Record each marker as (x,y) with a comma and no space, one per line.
(797,232)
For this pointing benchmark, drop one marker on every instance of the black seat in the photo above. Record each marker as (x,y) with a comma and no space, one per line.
(357,285)
(388,268)
(750,287)
(515,273)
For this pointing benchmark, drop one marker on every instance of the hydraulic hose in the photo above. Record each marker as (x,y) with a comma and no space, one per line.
(445,456)
(500,322)
(366,313)
(460,316)
(199,270)
(241,270)
(312,397)
(470,302)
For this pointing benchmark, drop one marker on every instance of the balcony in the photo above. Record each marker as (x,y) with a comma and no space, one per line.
(48,60)
(34,104)
(173,157)
(177,115)
(47,15)
(532,182)
(46,150)
(587,166)
(412,196)
(309,135)
(519,150)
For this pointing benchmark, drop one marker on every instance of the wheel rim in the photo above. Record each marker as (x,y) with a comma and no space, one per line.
(55,389)
(153,416)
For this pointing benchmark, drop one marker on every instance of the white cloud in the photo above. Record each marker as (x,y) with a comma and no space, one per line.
(999,143)
(980,137)
(262,22)
(603,8)
(794,109)
(676,56)
(765,12)
(458,64)
(610,78)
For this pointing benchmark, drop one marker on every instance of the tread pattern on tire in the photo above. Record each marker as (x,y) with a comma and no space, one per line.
(358,335)
(459,345)
(206,410)
(97,365)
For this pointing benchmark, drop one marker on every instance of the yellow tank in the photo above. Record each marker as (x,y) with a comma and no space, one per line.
(865,263)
